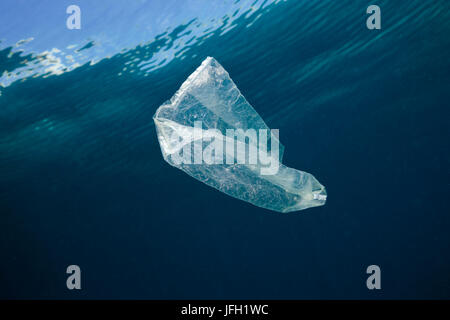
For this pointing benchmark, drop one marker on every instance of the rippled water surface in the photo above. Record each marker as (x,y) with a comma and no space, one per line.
(82,180)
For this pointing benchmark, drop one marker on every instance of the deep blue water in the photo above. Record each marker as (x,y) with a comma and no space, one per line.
(82,179)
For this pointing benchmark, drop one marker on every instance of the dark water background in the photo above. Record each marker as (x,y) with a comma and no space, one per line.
(82,180)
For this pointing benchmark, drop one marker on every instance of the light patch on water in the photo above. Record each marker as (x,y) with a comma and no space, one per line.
(176,31)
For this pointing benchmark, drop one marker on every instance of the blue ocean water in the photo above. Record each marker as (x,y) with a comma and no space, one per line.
(82,179)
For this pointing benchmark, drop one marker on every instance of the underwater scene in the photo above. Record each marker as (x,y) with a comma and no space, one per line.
(85,179)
